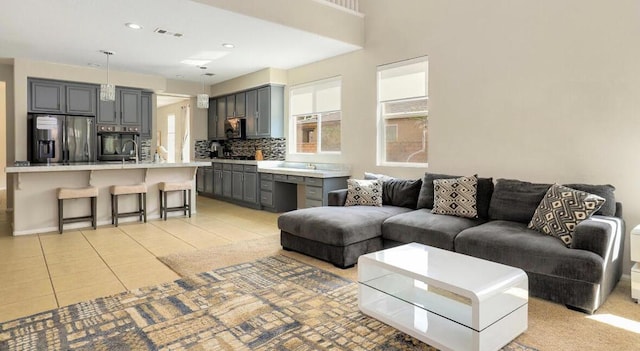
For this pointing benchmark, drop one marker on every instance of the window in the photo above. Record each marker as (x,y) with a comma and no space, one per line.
(403,112)
(315,110)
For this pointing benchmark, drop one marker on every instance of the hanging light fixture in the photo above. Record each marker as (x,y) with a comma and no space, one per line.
(203,99)
(107,91)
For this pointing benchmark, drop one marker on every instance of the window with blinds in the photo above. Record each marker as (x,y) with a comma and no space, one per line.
(315,110)
(403,112)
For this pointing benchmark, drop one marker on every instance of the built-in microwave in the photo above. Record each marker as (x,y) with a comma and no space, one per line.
(235,128)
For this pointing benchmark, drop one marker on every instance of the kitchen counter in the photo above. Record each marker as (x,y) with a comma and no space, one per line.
(96,166)
(34,190)
(313,170)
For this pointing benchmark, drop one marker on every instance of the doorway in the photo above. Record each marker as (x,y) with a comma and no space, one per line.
(173,140)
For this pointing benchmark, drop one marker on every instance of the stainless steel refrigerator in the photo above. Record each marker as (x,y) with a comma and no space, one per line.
(62,139)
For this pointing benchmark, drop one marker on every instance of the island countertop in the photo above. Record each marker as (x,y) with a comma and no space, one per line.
(96,166)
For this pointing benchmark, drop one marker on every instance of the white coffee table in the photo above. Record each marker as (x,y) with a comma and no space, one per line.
(445,299)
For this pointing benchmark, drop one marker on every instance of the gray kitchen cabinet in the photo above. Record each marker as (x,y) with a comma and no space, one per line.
(250,185)
(107,113)
(251,112)
(212,120)
(52,96)
(221,112)
(226,180)
(81,99)
(200,180)
(46,96)
(146,115)
(236,105)
(208,180)
(317,190)
(130,107)
(269,116)
(217,179)
(237,182)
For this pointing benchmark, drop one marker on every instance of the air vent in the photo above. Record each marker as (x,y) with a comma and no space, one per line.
(166,32)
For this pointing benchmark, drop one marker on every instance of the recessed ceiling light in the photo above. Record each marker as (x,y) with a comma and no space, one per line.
(91,64)
(228,45)
(133,25)
(179,76)
(193,62)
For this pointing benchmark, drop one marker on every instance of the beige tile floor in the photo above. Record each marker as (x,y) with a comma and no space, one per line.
(45,271)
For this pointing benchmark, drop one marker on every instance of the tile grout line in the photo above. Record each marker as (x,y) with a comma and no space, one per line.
(46,264)
(102,258)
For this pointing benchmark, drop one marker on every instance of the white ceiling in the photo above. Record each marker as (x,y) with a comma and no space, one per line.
(74,31)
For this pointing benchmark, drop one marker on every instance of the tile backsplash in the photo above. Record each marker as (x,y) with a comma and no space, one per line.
(272,148)
(145,149)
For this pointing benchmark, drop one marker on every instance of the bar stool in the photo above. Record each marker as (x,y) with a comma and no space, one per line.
(166,187)
(77,193)
(138,189)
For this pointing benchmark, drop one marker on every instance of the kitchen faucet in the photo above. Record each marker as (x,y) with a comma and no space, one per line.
(135,145)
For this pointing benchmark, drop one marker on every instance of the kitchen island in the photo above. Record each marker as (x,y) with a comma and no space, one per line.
(35,188)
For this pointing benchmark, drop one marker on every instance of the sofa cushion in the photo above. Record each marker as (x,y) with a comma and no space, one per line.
(427,228)
(456,197)
(513,244)
(560,211)
(515,200)
(605,191)
(401,192)
(485,189)
(337,225)
(364,193)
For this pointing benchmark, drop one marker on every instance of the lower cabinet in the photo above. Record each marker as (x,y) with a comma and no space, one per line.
(237,183)
(204,181)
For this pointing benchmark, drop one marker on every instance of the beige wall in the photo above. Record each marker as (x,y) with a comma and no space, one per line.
(255,79)
(3,133)
(545,91)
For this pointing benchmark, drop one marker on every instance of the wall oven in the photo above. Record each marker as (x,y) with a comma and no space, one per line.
(116,143)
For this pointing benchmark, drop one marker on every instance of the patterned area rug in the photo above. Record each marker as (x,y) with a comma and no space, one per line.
(275,303)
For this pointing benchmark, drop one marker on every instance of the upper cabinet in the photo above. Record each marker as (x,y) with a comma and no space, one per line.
(132,108)
(50,96)
(147,115)
(263,109)
(265,115)
(236,105)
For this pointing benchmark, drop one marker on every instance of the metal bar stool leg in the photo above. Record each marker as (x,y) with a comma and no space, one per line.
(116,210)
(144,203)
(189,203)
(94,212)
(165,205)
(60,216)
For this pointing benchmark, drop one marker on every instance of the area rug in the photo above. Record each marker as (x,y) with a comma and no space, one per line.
(274,303)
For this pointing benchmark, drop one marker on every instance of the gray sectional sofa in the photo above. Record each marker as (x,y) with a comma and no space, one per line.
(580,276)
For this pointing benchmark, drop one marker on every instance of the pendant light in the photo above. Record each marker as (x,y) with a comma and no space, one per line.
(203,99)
(107,91)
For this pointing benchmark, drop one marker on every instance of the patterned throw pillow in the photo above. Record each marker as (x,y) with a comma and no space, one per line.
(364,192)
(562,209)
(456,197)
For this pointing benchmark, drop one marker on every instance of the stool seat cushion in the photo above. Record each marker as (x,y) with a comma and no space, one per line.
(128,189)
(173,186)
(74,193)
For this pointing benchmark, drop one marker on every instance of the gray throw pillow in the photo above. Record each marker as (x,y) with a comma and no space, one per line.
(605,191)
(485,191)
(401,192)
(515,200)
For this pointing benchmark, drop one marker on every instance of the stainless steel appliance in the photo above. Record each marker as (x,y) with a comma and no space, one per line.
(117,143)
(61,139)
(235,128)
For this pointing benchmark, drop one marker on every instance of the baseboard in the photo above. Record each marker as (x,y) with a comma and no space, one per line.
(626,277)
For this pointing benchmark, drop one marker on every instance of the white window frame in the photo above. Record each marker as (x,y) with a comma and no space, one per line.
(381,129)
(292,118)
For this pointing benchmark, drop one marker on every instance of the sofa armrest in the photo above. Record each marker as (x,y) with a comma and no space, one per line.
(599,234)
(337,197)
